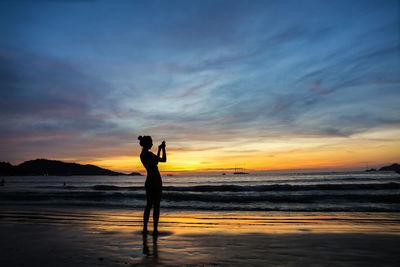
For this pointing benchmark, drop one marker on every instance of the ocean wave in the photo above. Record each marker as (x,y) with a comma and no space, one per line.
(209,198)
(260,188)
(341,207)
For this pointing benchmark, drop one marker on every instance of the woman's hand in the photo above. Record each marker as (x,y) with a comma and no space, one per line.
(162,145)
(164,155)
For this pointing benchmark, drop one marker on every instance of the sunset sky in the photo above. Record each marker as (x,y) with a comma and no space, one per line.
(264,85)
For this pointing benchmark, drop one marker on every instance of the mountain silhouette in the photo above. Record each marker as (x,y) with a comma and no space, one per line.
(394,167)
(53,167)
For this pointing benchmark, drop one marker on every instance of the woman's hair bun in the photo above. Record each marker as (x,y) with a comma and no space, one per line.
(145,141)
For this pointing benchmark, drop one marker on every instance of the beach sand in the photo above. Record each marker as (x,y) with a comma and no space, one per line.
(43,236)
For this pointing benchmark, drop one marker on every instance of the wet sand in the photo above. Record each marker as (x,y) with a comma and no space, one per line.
(85,237)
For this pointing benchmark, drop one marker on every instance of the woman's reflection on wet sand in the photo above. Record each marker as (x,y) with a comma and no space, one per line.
(146,249)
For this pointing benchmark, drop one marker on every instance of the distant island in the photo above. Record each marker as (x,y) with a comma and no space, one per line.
(53,168)
(394,167)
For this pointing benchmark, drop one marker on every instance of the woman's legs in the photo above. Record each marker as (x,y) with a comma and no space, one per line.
(156,214)
(146,214)
(153,198)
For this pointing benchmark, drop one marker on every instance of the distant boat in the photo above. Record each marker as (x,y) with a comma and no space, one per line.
(223,173)
(170,175)
(240,171)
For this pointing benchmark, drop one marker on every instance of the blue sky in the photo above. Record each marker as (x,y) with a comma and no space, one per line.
(80,80)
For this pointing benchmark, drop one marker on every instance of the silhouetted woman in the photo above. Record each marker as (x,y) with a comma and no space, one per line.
(153,183)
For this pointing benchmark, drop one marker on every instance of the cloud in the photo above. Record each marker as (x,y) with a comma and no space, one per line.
(46,101)
(191,91)
(42,85)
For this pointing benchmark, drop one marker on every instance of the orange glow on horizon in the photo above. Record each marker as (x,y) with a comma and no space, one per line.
(375,148)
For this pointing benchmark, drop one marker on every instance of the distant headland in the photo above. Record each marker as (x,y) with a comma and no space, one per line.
(394,167)
(53,168)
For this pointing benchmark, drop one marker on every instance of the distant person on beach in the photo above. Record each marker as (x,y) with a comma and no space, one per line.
(153,183)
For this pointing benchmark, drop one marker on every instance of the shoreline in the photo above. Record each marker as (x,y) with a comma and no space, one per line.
(65,236)
(196,221)
(43,245)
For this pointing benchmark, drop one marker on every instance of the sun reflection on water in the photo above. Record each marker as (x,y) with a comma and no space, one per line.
(244,222)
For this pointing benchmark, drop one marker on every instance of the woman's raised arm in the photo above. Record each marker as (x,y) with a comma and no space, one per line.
(164,155)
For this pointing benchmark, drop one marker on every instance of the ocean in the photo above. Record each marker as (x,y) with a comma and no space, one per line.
(294,192)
